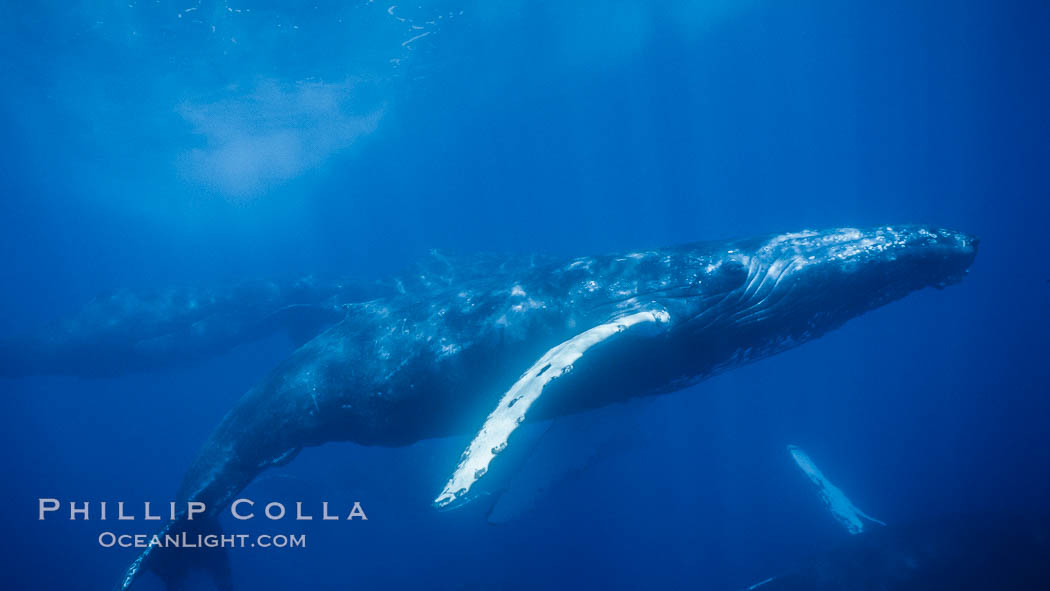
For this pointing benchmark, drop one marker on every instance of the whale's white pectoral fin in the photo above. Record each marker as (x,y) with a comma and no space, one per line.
(842,509)
(510,412)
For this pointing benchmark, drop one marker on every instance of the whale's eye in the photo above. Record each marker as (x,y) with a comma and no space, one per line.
(727,276)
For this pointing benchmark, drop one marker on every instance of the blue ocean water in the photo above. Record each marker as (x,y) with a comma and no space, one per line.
(165,143)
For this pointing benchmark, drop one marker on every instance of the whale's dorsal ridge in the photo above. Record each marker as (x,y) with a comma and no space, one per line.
(442,269)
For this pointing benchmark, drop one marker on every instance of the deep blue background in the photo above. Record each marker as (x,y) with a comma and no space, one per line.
(148,149)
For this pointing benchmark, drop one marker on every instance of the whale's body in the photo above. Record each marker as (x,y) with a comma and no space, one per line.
(472,346)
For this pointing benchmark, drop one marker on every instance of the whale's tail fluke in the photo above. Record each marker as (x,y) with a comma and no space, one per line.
(182,548)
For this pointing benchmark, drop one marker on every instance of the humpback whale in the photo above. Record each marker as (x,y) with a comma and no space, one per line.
(842,509)
(482,345)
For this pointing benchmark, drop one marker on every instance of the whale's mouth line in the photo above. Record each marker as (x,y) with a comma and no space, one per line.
(758,293)
(762,290)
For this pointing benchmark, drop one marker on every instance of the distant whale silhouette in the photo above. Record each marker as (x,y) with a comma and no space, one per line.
(479,345)
(130,330)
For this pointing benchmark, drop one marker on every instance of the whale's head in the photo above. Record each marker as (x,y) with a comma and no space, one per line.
(822,273)
(778,291)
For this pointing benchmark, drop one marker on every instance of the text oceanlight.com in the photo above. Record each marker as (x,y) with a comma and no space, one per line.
(185,540)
